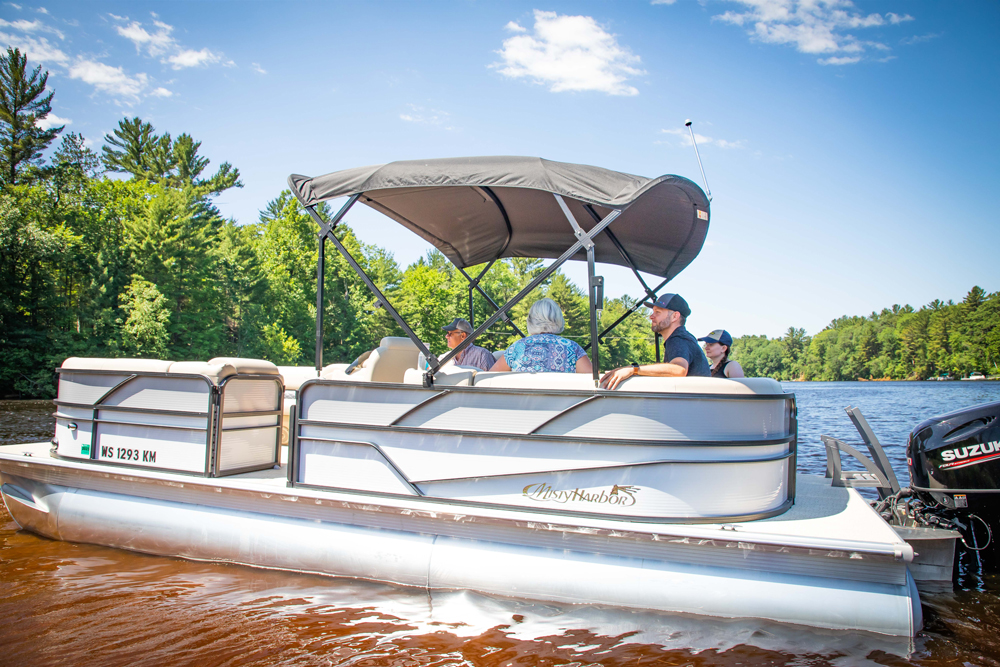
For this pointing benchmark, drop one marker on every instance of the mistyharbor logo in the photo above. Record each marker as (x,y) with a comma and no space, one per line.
(970,455)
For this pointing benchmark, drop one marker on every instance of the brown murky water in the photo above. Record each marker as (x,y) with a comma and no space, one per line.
(77,604)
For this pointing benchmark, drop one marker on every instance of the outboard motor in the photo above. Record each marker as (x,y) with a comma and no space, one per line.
(954,463)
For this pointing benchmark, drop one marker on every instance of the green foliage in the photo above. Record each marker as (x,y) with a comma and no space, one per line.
(899,343)
(145,329)
(134,148)
(23,105)
(96,266)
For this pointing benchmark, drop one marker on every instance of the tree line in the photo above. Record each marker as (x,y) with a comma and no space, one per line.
(123,253)
(898,343)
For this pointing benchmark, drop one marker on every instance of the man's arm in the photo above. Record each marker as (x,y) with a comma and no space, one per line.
(676,367)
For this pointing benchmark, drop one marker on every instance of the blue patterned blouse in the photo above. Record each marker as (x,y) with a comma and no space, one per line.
(544,353)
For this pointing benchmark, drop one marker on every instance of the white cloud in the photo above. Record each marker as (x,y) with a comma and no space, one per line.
(18,7)
(42,10)
(160,43)
(839,60)
(161,92)
(896,18)
(108,79)
(192,58)
(685,139)
(663,2)
(917,39)
(23,25)
(257,68)
(52,120)
(811,26)
(514,27)
(156,43)
(425,116)
(38,50)
(569,53)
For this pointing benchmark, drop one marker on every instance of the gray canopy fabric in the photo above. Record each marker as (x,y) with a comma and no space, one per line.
(478,209)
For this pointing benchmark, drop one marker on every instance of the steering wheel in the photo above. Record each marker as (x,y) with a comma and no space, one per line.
(357,362)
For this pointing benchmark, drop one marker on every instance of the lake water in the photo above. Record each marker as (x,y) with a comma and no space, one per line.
(79,604)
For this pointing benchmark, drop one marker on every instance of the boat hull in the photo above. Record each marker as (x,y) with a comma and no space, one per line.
(430,549)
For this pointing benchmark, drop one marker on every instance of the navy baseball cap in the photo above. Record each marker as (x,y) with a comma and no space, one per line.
(720,336)
(670,302)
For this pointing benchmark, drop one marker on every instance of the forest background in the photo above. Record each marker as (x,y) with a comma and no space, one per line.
(123,254)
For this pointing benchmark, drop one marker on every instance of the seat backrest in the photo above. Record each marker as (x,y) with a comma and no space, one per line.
(519,380)
(391,358)
(125,365)
(294,376)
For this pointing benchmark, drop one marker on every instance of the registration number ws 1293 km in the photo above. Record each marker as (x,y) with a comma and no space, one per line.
(128,454)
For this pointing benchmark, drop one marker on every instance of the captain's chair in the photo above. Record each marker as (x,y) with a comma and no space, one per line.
(386,363)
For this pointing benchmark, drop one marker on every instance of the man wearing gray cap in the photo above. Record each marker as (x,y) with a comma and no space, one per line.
(473,355)
(682,354)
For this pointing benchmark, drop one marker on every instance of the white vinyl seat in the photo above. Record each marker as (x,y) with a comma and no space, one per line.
(386,363)
(658,385)
(126,365)
(294,376)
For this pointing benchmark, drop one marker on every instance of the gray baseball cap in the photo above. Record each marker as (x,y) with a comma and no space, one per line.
(458,324)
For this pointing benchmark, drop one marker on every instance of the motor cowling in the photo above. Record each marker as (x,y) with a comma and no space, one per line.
(954,459)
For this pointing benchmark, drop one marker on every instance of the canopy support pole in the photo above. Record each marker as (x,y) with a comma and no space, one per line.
(324,229)
(320,271)
(539,279)
(596,294)
(595,286)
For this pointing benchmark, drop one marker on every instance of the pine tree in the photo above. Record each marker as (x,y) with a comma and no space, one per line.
(24,106)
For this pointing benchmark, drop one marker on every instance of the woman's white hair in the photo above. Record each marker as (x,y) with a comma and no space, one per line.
(545,316)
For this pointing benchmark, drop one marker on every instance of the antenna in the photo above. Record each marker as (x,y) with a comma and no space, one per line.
(708,190)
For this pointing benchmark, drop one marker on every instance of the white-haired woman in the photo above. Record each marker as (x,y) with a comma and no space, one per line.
(543,350)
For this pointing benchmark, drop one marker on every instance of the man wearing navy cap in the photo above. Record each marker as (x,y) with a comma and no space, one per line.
(681,351)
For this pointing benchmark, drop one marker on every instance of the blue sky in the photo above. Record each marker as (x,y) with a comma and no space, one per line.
(851,148)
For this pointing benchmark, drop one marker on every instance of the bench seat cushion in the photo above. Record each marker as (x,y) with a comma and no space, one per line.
(126,365)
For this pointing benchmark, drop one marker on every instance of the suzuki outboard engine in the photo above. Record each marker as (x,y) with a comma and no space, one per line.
(954,465)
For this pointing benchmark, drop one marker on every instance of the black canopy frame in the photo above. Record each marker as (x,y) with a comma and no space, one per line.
(611,191)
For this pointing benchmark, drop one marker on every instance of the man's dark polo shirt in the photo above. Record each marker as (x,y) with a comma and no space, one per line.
(682,344)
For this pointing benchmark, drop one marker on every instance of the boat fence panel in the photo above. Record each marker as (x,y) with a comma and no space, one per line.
(490,412)
(649,456)
(162,393)
(74,430)
(152,446)
(245,448)
(357,403)
(349,465)
(249,395)
(644,418)
(166,421)
(248,441)
(85,389)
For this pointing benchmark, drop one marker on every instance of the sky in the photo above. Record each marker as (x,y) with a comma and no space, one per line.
(852,149)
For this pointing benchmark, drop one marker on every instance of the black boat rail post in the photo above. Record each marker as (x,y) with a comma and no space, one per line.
(595,286)
(324,229)
(549,270)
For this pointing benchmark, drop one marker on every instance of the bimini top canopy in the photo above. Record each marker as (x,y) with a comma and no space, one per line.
(479,209)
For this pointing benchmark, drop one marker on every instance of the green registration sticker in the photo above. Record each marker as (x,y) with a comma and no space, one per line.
(85,450)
